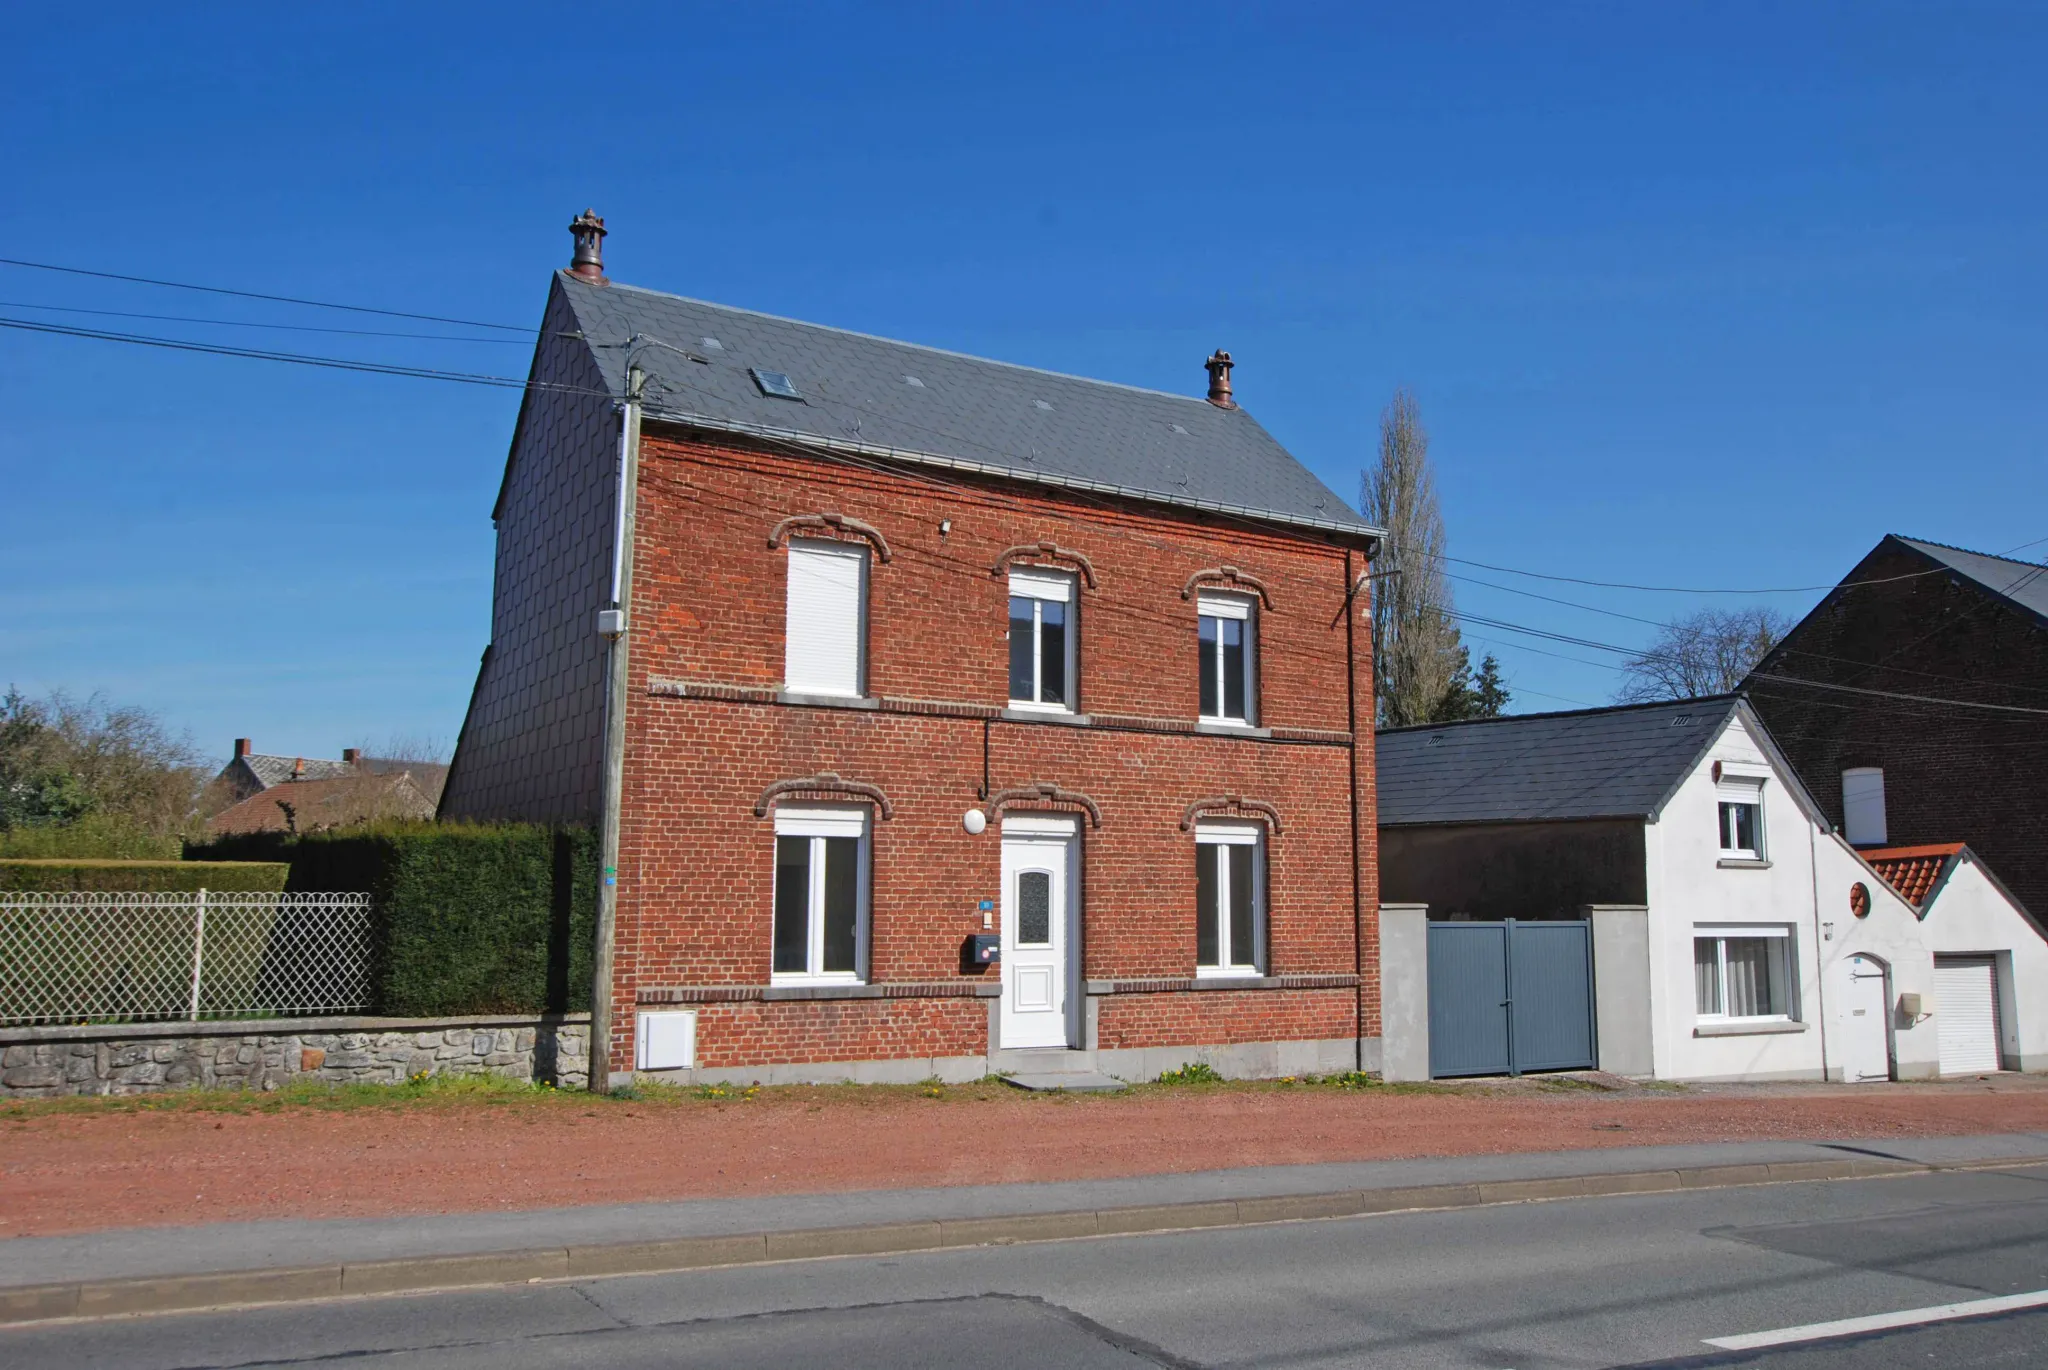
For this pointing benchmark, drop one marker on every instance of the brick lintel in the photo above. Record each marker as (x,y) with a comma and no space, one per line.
(1222,982)
(731,994)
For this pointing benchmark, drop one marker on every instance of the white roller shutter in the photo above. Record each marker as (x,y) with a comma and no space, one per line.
(1966,1014)
(827,609)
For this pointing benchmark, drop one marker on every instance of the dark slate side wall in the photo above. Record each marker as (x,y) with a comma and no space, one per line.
(1513,870)
(1951,774)
(532,747)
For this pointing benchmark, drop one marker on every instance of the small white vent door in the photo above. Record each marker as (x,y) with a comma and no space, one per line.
(1966,1014)
(827,618)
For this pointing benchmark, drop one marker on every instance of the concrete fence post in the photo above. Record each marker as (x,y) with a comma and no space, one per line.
(198,950)
(1404,991)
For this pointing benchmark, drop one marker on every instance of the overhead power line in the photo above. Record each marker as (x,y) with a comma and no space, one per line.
(258,295)
(248,323)
(298,358)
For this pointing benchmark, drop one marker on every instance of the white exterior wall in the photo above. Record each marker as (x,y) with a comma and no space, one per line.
(1971,915)
(1688,886)
(1894,935)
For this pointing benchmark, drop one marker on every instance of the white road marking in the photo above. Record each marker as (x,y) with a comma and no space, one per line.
(1879,1322)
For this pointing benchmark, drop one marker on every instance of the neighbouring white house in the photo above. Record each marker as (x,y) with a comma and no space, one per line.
(1650,889)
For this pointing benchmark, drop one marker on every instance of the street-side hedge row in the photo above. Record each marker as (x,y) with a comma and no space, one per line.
(76,874)
(471,918)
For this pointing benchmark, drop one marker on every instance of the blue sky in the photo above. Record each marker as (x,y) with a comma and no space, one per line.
(1705,296)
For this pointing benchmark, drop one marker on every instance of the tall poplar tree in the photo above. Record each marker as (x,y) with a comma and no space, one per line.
(1417,657)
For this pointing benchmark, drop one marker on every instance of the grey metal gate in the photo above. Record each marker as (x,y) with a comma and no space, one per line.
(1510,996)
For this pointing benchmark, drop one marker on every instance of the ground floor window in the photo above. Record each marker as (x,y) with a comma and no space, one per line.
(1230,899)
(1742,972)
(821,893)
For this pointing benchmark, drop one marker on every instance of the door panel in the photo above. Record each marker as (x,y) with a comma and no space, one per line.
(1866,1037)
(1468,989)
(1550,981)
(1038,922)
(1510,996)
(1966,1014)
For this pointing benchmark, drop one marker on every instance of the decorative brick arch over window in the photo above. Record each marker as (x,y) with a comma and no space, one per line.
(838,524)
(825,784)
(1047,551)
(1231,806)
(1043,795)
(1230,578)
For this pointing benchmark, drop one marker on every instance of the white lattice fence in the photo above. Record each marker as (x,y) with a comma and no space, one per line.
(111,958)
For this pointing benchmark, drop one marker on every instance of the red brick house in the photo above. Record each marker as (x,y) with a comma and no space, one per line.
(944,715)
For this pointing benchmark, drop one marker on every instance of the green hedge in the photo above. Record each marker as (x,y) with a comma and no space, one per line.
(86,874)
(471,918)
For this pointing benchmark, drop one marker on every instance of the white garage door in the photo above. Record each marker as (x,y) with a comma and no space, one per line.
(1966,1013)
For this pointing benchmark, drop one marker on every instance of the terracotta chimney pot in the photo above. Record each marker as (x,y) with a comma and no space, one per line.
(241,746)
(351,756)
(1218,367)
(588,262)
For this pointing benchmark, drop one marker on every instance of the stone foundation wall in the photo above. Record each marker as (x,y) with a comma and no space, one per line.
(142,1058)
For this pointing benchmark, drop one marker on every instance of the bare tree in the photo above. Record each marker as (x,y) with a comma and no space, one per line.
(88,777)
(1707,653)
(1416,654)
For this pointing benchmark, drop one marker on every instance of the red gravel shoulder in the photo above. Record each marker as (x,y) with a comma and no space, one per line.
(81,1169)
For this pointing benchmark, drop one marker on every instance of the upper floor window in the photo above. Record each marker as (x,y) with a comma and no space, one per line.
(821,893)
(1227,658)
(1741,808)
(824,646)
(1230,912)
(1042,640)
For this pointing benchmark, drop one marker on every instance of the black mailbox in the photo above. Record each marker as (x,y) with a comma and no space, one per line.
(985,949)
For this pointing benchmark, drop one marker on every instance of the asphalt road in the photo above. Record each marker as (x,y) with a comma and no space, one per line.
(1637,1281)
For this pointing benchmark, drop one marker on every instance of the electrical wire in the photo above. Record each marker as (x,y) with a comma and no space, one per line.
(258,295)
(247,323)
(299,358)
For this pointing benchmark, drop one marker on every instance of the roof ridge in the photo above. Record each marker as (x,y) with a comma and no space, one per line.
(1971,551)
(1730,697)
(902,342)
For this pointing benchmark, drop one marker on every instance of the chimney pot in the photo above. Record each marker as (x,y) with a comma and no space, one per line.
(351,756)
(588,262)
(241,746)
(298,767)
(1218,367)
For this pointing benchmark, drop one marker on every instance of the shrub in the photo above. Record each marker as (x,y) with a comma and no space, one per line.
(98,836)
(183,876)
(471,918)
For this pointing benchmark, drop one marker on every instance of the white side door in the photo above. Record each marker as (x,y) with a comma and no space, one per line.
(1866,1036)
(1038,937)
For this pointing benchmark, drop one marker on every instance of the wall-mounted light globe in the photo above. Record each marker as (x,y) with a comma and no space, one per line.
(976,822)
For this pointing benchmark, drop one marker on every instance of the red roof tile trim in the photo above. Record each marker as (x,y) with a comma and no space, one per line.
(1912,871)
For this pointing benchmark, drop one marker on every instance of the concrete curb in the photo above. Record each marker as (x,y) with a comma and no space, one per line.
(24,1304)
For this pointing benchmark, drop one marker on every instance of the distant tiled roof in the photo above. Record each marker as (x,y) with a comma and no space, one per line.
(276,770)
(329,803)
(1594,763)
(2023,582)
(1912,871)
(873,396)
(429,776)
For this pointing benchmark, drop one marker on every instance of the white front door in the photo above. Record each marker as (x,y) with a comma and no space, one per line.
(1038,907)
(1866,1037)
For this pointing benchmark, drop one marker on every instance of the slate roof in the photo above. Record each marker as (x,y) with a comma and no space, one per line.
(2023,582)
(1591,763)
(882,398)
(1912,871)
(279,770)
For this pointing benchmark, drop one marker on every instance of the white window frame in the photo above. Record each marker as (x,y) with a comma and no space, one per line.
(1245,837)
(846,551)
(818,822)
(1242,609)
(1721,935)
(1738,790)
(1041,587)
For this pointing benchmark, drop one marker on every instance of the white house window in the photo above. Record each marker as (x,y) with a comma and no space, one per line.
(1042,641)
(1230,900)
(1228,658)
(826,634)
(821,894)
(1742,973)
(1741,808)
